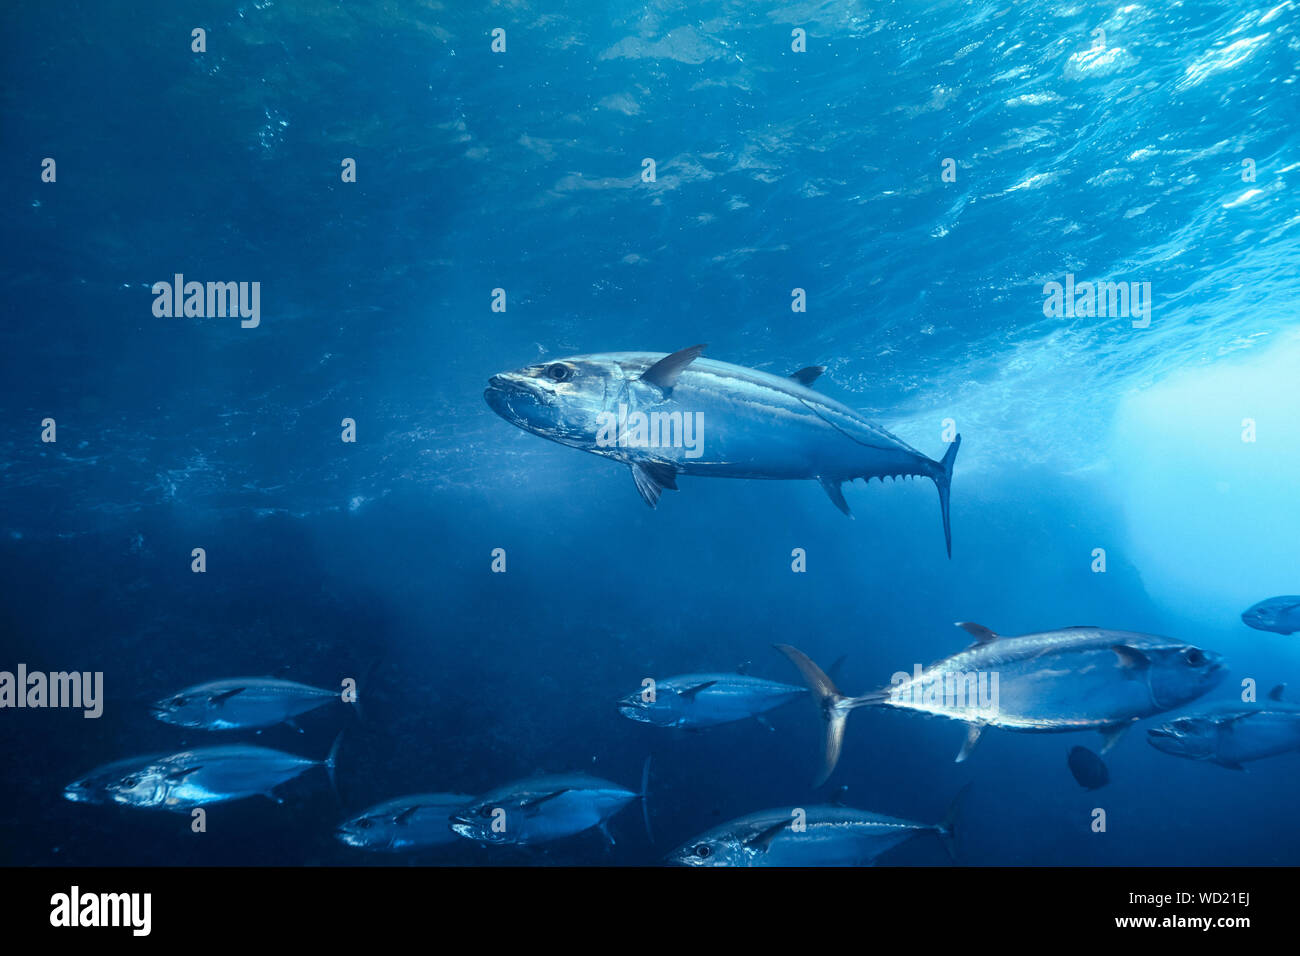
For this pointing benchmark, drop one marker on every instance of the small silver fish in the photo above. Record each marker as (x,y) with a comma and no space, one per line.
(241,703)
(1278,614)
(546,808)
(204,775)
(413,822)
(695,701)
(813,836)
(1232,734)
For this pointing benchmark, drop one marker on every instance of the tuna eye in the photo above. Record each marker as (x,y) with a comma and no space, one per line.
(558,372)
(703,851)
(1183,725)
(364,824)
(485,811)
(1194,656)
(130,781)
(178,701)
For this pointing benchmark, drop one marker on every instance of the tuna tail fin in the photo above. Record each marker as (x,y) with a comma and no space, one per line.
(330,762)
(645,798)
(948,828)
(834,707)
(364,683)
(943,481)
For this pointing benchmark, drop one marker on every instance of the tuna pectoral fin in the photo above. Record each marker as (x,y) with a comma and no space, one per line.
(651,478)
(668,369)
(1277,692)
(835,491)
(972,738)
(690,692)
(943,482)
(830,702)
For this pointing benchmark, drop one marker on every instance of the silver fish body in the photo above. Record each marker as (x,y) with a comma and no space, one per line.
(1280,614)
(811,836)
(1075,678)
(707,418)
(241,703)
(694,701)
(206,775)
(541,809)
(413,822)
(1232,734)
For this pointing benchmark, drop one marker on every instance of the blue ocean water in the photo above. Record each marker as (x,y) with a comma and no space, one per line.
(1165,149)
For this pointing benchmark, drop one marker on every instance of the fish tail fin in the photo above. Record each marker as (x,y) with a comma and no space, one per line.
(645,798)
(948,828)
(362,684)
(943,482)
(833,705)
(331,762)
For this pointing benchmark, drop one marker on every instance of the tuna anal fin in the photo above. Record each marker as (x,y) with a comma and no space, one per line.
(972,738)
(835,491)
(651,478)
(668,369)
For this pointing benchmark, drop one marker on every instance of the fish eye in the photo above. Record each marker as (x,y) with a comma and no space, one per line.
(364,823)
(1184,725)
(703,851)
(178,701)
(559,372)
(1194,656)
(485,811)
(130,781)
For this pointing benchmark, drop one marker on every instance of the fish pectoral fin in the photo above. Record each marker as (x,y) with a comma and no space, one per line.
(651,478)
(1231,765)
(668,369)
(1131,659)
(403,818)
(972,738)
(806,376)
(1110,736)
(762,840)
(981,633)
(530,807)
(690,692)
(224,696)
(1277,692)
(180,773)
(835,491)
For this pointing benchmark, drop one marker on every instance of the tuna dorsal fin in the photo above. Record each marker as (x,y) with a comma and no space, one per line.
(665,372)
(224,696)
(180,773)
(981,633)
(1277,692)
(651,478)
(835,491)
(533,804)
(690,692)
(806,376)
(762,840)
(972,738)
(1130,658)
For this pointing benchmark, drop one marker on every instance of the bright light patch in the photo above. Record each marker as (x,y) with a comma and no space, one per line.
(1213,519)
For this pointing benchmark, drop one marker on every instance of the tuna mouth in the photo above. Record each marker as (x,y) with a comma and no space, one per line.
(1162,733)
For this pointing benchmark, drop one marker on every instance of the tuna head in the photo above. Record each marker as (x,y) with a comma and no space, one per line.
(147,787)
(183,710)
(711,849)
(483,821)
(1177,674)
(1196,738)
(563,400)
